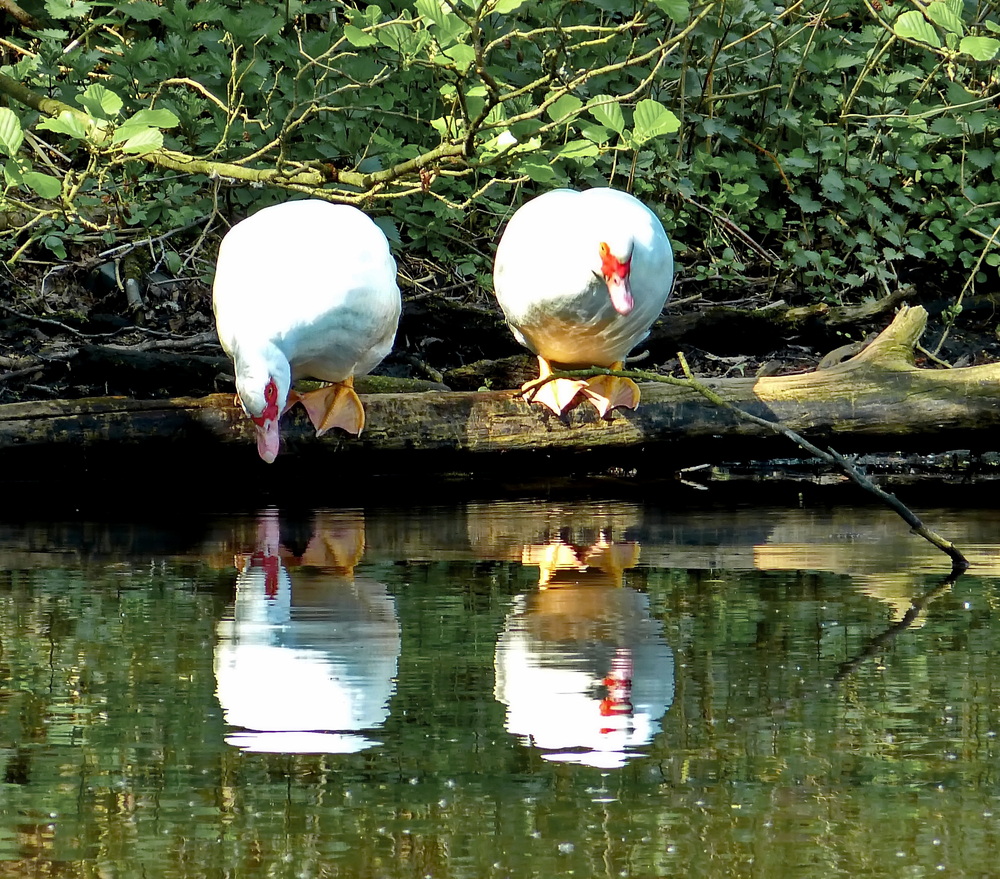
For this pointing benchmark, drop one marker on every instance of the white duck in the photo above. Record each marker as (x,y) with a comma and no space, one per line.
(304,289)
(581,276)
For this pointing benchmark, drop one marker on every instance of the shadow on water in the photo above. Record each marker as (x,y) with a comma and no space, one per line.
(516,688)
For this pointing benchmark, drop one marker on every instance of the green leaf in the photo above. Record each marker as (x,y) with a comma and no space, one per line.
(433,11)
(99,102)
(68,8)
(606,110)
(675,10)
(913,26)
(505,7)
(153,119)
(358,38)
(578,149)
(945,14)
(44,185)
(11,134)
(651,119)
(596,133)
(141,10)
(946,127)
(65,123)
(980,48)
(564,109)
(462,55)
(145,141)
(537,170)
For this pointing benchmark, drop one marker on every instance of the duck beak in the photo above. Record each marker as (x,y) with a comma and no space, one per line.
(268,439)
(620,292)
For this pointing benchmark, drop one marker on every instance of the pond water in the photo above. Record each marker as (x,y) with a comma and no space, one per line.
(511,689)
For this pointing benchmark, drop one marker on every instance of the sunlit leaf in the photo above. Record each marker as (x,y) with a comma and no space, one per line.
(358,38)
(99,102)
(578,149)
(913,26)
(462,55)
(651,119)
(44,185)
(68,8)
(675,10)
(11,134)
(564,109)
(65,123)
(145,141)
(980,48)
(433,11)
(505,7)
(606,110)
(945,14)
(154,119)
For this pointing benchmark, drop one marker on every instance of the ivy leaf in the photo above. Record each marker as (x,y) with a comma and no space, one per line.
(606,110)
(675,10)
(99,102)
(913,26)
(980,48)
(65,123)
(43,185)
(357,37)
(651,119)
(11,134)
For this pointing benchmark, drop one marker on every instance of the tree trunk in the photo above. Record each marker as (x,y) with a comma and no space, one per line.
(877,400)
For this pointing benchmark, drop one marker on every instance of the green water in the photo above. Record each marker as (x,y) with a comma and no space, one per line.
(499,690)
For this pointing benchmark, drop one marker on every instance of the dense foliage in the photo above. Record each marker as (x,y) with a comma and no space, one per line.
(840,147)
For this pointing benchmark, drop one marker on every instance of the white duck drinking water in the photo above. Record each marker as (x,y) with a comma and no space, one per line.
(304,289)
(581,276)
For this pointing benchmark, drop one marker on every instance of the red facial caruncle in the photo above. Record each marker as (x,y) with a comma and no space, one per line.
(616,276)
(270,412)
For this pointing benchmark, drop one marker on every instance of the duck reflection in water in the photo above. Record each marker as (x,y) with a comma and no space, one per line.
(582,667)
(306,658)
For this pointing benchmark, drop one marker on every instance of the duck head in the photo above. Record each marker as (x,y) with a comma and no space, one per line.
(263,394)
(616,263)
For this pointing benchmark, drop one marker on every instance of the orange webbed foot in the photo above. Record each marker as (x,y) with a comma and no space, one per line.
(333,405)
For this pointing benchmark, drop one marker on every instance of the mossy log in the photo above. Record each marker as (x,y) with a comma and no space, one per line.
(876,400)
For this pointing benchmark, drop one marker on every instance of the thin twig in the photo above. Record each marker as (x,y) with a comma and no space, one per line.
(831,456)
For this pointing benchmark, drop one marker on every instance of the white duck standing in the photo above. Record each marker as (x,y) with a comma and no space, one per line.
(581,276)
(304,289)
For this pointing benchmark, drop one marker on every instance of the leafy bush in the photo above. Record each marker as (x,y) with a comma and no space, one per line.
(835,147)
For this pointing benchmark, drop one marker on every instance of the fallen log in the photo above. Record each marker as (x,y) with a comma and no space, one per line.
(876,400)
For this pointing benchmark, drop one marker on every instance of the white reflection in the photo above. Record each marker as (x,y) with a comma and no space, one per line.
(581,665)
(307,658)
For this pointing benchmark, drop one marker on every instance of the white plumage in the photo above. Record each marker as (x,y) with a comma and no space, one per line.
(304,289)
(581,276)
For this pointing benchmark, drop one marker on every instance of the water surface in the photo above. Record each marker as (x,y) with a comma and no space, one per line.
(516,689)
